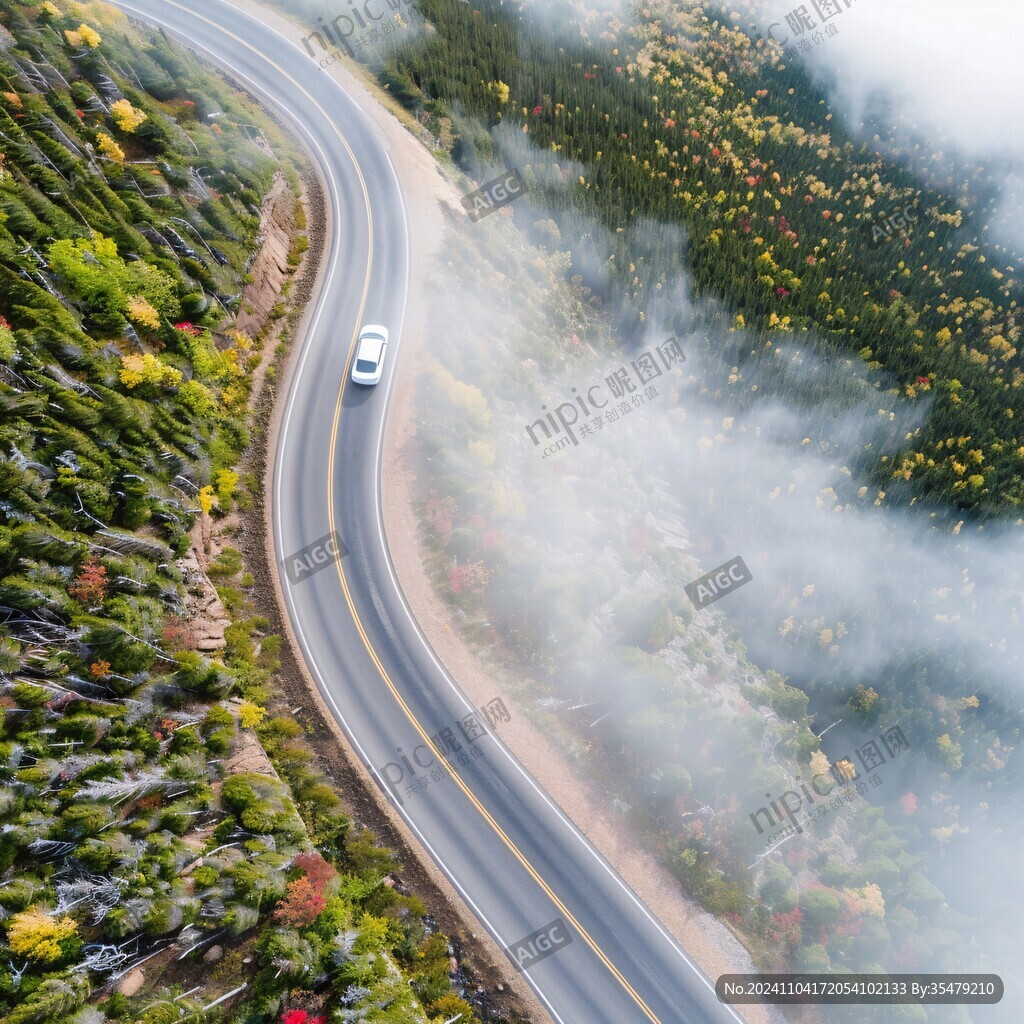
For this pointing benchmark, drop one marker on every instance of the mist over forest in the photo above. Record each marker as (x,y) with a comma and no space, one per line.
(767,445)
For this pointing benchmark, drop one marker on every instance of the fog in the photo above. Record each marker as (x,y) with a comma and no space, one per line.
(763,456)
(948,74)
(763,461)
(953,68)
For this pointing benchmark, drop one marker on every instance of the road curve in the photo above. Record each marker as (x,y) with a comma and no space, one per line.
(506,847)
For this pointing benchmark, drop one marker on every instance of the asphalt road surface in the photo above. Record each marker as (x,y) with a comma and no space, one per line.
(517,861)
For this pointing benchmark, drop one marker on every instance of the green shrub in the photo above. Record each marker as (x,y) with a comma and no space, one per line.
(821,907)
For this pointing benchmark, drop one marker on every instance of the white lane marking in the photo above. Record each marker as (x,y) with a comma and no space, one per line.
(294,45)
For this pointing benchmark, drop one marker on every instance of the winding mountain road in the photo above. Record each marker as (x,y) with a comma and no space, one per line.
(506,847)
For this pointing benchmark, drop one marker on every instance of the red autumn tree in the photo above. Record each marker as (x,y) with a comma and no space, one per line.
(178,634)
(908,803)
(90,585)
(470,576)
(316,869)
(302,906)
(305,901)
(300,1017)
(785,929)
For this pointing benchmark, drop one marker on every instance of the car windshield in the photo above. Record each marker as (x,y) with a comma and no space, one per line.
(365,366)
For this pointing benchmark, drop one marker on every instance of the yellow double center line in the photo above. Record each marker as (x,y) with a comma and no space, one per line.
(484,813)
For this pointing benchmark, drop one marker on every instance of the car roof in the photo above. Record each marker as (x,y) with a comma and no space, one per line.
(370,348)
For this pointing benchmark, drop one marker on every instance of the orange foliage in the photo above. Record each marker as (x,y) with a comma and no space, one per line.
(90,585)
(302,906)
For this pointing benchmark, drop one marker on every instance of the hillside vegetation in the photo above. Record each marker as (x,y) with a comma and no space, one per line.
(131,180)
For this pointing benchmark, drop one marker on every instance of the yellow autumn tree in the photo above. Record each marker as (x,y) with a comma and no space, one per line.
(141,311)
(234,396)
(207,499)
(820,763)
(131,371)
(109,148)
(127,117)
(868,900)
(499,90)
(83,36)
(147,369)
(226,481)
(467,398)
(250,714)
(951,752)
(863,698)
(33,933)
(242,341)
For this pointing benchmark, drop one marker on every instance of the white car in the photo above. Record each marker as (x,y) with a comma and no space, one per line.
(370,349)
